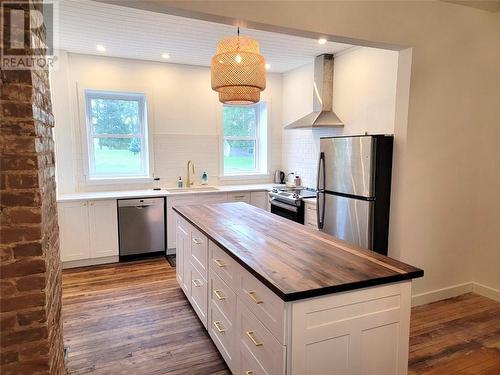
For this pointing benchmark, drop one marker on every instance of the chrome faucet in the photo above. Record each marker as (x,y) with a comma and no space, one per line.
(188,178)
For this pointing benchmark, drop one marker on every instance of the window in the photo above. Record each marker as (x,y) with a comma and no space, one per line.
(116,135)
(244,139)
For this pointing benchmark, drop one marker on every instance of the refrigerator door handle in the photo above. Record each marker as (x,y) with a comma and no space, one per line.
(320,213)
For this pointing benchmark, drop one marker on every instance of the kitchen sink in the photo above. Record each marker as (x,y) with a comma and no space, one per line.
(192,189)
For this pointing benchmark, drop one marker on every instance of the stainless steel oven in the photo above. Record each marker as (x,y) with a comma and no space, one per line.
(294,212)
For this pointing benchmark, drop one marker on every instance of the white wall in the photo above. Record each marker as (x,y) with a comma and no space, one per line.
(183,116)
(364,92)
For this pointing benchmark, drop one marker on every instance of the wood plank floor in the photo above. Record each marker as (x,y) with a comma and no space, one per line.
(131,318)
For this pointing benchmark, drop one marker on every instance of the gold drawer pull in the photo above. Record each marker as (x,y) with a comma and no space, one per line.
(219,295)
(251,336)
(197,241)
(254,298)
(220,328)
(249,372)
(219,262)
(197,283)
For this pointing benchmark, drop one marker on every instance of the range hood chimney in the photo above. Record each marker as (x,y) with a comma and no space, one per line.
(322,115)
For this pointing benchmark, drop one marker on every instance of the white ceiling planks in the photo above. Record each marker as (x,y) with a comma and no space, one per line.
(144,35)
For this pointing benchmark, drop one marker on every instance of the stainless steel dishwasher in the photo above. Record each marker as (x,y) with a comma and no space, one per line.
(141,226)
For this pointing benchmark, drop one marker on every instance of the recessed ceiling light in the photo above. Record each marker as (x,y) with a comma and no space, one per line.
(268,66)
(322,41)
(100,48)
(165,55)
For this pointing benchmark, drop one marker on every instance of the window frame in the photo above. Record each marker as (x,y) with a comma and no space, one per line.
(257,170)
(90,136)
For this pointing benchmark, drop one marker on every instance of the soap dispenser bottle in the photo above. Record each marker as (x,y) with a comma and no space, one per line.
(179,182)
(204,178)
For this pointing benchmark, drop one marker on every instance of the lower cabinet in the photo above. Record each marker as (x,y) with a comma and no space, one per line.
(226,303)
(310,214)
(260,199)
(88,230)
(364,331)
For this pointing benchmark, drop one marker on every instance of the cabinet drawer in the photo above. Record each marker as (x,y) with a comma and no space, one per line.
(239,197)
(267,306)
(223,335)
(224,266)
(260,342)
(223,297)
(198,294)
(249,364)
(199,251)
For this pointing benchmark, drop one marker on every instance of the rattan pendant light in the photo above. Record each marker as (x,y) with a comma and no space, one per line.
(238,70)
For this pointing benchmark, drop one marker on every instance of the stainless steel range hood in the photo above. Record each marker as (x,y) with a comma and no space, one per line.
(322,115)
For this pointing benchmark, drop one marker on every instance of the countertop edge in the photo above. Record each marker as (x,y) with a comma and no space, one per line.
(296,296)
(150,193)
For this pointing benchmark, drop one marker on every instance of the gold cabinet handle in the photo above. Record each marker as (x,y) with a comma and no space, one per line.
(249,372)
(219,327)
(197,283)
(220,296)
(251,336)
(197,241)
(219,262)
(254,297)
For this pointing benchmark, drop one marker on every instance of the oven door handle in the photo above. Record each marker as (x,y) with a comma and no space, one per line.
(285,206)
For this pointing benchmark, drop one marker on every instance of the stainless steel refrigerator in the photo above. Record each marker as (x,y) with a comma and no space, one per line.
(354,188)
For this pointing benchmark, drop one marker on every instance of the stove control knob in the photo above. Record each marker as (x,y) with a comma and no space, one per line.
(295,195)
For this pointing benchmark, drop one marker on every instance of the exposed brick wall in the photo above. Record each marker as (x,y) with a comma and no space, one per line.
(30,273)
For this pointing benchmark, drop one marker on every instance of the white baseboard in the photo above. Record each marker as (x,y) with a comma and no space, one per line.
(486,291)
(439,294)
(90,262)
(454,291)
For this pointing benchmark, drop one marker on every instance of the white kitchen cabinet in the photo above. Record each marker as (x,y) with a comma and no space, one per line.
(88,230)
(182,270)
(74,230)
(240,196)
(259,199)
(310,214)
(103,223)
(362,331)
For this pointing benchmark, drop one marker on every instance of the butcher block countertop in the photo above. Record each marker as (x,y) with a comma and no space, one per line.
(294,261)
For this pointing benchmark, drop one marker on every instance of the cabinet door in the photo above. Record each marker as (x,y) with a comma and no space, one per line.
(103,224)
(182,269)
(73,230)
(171,215)
(259,199)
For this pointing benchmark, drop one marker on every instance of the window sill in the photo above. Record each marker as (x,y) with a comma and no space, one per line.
(118,180)
(244,176)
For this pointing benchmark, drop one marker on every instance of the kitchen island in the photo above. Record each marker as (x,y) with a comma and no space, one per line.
(279,298)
